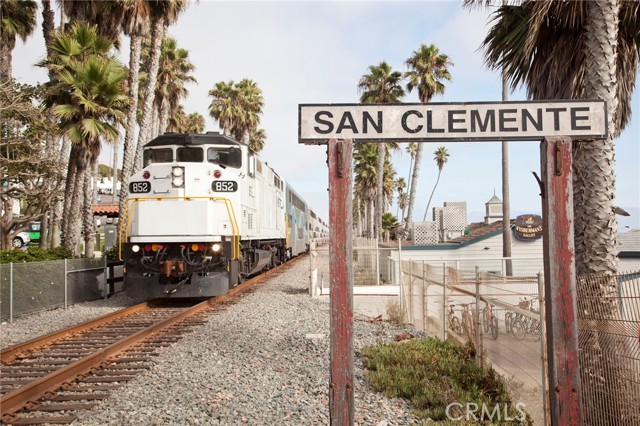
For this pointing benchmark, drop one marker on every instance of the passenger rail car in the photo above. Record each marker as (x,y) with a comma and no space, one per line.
(204,213)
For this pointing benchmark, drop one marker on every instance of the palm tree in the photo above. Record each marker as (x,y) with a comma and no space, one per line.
(163,14)
(194,123)
(582,50)
(174,72)
(381,85)
(237,107)
(18,18)
(135,24)
(257,140)
(389,223)
(441,158)
(401,185)
(365,159)
(88,98)
(428,69)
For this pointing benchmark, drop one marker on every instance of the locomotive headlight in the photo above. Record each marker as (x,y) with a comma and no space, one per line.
(177,171)
(216,247)
(178,181)
(135,248)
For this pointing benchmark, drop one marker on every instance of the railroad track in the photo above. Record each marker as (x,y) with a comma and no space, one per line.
(46,379)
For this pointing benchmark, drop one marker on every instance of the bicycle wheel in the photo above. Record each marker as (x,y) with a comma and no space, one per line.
(485,320)
(454,325)
(467,327)
(508,318)
(519,329)
(536,330)
(494,328)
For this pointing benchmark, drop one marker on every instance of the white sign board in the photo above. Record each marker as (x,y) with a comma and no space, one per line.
(469,121)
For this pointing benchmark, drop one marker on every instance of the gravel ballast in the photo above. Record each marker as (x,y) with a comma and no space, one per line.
(263,360)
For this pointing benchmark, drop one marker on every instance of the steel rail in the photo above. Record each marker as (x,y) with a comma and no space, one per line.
(8,355)
(16,400)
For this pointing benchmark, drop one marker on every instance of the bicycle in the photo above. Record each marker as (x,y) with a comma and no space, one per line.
(490,321)
(468,326)
(452,320)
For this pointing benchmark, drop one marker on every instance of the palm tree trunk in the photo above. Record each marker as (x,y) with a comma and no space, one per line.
(7,43)
(164,117)
(72,234)
(603,375)
(157,34)
(129,144)
(72,170)
(431,196)
(89,190)
(414,185)
(506,203)
(114,170)
(379,194)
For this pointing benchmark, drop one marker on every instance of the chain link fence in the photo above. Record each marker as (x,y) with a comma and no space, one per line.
(609,343)
(36,286)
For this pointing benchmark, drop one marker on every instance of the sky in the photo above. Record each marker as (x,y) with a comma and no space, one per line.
(316,52)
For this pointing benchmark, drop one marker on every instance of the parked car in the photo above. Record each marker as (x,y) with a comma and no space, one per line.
(21,240)
(33,228)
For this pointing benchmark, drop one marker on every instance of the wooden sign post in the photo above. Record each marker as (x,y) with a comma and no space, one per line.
(341,279)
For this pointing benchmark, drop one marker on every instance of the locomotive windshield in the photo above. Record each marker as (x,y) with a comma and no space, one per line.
(163,155)
(225,156)
(190,155)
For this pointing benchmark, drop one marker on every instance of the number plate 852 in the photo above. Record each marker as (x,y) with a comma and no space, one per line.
(224,186)
(139,187)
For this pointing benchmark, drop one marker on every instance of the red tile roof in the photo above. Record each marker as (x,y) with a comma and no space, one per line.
(110,210)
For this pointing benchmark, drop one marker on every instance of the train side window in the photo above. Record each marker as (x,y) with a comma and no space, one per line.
(226,157)
(163,155)
(190,155)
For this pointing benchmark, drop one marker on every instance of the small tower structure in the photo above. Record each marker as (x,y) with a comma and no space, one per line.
(493,209)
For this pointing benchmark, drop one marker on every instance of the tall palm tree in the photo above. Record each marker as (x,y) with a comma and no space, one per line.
(365,157)
(237,107)
(441,158)
(428,69)
(257,140)
(18,20)
(380,85)
(88,98)
(401,185)
(163,14)
(175,70)
(135,23)
(582,50)
(194,123)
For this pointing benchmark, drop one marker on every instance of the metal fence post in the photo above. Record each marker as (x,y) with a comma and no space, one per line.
(66,273)
(11,292)
(543,351)
(377,263)
(411,291)
(478,334)
(425,307)
(106,278)
(444,301)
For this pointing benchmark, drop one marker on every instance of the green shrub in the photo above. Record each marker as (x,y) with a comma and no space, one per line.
(112,253)
(433,374)
(34,254)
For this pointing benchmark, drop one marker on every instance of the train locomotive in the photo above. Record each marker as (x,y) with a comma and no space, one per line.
(204,213)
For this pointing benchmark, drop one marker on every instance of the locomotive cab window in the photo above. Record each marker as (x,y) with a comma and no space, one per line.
(163,155)
(190,155)
(226,157)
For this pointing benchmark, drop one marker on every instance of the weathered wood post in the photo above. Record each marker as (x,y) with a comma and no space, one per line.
(341,400)
(560,282)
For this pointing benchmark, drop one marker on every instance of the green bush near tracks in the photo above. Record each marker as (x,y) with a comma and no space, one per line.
(34,254)
(433,374)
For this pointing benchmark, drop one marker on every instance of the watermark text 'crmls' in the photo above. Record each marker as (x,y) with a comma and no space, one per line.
(472,411)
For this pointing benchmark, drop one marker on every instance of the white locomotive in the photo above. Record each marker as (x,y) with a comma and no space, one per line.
(204,213)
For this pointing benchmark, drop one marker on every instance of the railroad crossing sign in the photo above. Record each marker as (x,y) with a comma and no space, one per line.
(553,122)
